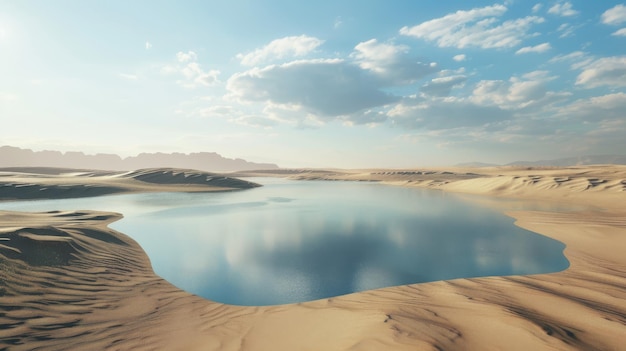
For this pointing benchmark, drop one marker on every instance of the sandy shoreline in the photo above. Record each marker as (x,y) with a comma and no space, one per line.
(94,287)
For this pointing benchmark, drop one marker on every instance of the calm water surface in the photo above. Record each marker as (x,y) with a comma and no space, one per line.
(294,241)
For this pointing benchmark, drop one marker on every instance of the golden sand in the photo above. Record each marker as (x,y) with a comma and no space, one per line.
(68,282)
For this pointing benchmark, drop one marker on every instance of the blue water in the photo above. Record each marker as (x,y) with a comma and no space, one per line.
(294,241)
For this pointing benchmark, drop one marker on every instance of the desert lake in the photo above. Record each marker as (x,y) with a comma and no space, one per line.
(295,241)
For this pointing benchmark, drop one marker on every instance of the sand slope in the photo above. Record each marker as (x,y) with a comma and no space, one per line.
(69,282)
(56,183)
(598,185)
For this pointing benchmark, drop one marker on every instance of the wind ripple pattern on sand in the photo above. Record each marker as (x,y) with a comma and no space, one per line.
(68,282)
(72,284)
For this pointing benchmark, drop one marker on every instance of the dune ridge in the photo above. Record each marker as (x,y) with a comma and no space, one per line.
(105,296)
(603,184)
(55,183)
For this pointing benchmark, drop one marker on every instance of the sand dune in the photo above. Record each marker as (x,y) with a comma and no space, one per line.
(55,183)
(600,185)
(68,282)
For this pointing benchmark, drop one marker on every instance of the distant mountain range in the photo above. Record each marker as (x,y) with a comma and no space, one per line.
(11,156)
(560,162)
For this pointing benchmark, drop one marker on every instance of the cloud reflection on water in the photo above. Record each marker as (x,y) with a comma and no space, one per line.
(331,239)
(297,241)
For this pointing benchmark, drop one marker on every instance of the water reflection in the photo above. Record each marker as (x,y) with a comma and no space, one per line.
(298,241)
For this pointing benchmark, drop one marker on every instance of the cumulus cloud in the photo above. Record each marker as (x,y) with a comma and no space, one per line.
(442,86)
(293,114)
(479,27)
(599,117)
(607,71)
(527,91)
(287,47)
(611,102)
(192,72)
(459,58)
(537,7)
(442,114)
(537,48)
(390,62)
(615,15)
(328,88)
(564,9)
(374,56)
(186,56)
(310,92)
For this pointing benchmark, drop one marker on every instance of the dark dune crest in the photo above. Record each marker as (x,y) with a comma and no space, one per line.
(50,183)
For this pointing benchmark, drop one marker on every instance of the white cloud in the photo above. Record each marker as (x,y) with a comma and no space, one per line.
(568,57)
(564,9)
(537,48)
(197,76)
(148,45)
(594,124)
(369,118)
(390,62)
(186,56)
(294,46)
(292,114)
(537,7)
(615,15)
(373,55)
(326,88)
(442,86)
(566,30)
(459,58)
(578,59)
(307,93)
(620,32)
(193,73)
(616,101)
(597,108)
(443,114)
(607,71)
(527,91)
(478,27)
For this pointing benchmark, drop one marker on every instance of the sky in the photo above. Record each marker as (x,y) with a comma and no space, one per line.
(342,83)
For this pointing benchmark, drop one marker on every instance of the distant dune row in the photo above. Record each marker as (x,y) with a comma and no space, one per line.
(53,183)
(604,184)
(68,282)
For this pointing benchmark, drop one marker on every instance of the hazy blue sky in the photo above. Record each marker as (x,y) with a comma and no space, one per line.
(317,83)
